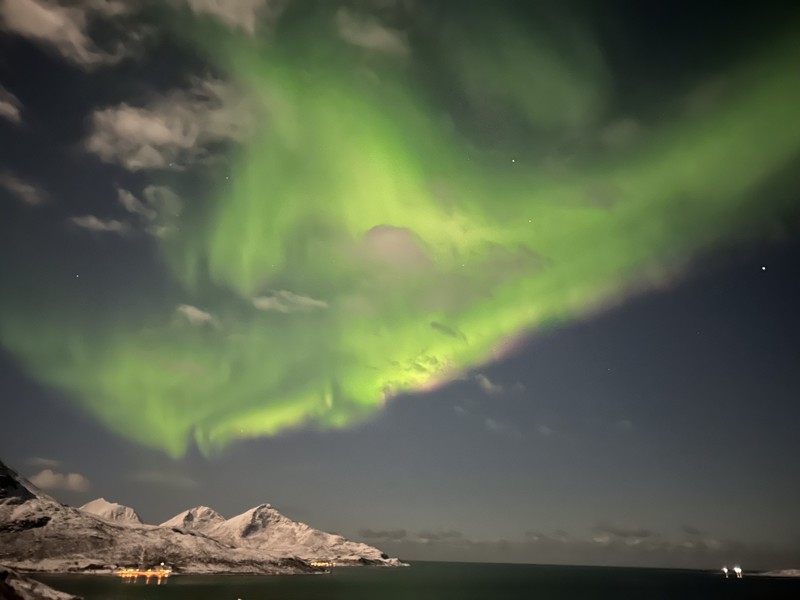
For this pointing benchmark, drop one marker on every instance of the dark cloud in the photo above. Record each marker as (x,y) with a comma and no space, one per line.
(448,331)
(383,534)
(689,530)
(622,532)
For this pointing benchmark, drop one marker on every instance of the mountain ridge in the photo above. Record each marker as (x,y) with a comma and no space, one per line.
(37,533)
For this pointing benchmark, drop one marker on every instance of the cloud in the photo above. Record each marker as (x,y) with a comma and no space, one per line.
(51,480)
(194,315)
(163,200)
(383,534)
(366,32)
(135,206)
(172,131)
(65,28)
(98,225)
(448,331)
(27,192)
(486,384)
(606,533)
(10,106)
(163,478)
(287,302)
(440,536)
(158,209)
(240,14)
(38,461)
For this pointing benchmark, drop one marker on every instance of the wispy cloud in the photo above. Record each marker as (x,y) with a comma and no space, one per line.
(440,535)
(447,330)
(52,480)
(10,106)
(488,386)
(135,206)
(98,225)
(171,131)
(27,192)
(158,210)
(383,534)
(367,32)
(284,301)
(606,534)
(195,316)
(246,15)
(64,27)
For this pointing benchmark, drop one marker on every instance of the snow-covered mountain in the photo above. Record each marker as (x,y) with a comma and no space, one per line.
(37,533)
(111,511)
(265,529)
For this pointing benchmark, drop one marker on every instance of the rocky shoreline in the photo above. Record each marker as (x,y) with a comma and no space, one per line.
(16,586)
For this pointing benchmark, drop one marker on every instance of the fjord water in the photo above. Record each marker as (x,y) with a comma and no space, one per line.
(441,581)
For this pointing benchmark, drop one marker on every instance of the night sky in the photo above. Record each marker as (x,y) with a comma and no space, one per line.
(501,281)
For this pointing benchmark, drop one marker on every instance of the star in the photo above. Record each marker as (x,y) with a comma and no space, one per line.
(763,268)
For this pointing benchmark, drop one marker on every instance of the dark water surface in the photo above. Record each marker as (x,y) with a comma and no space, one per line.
(440,581)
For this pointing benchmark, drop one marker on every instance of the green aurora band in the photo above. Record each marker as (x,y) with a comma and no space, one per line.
(365,247)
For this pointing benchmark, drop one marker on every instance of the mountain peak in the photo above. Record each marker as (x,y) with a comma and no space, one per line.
(199,518)
(111,511)
(15,489)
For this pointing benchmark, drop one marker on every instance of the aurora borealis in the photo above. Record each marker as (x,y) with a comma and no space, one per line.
(466,280)
(366,234)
